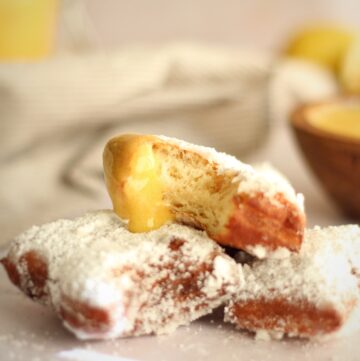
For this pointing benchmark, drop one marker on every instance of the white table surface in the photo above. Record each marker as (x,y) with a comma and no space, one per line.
(31,333)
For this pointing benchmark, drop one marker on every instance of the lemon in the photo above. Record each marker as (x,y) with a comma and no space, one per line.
(324,45)
(350,69)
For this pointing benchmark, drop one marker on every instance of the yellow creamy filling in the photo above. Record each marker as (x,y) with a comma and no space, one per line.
(343,121)
(133,178)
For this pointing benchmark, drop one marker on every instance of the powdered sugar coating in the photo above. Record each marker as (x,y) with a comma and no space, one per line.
(260,179)
(325,274)
(262,252)
(344,239)
(94,260)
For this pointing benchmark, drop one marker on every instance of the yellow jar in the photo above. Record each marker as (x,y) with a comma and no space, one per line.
(27,28)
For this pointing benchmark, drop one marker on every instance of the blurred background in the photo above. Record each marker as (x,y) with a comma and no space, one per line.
(225,74)
(258,24)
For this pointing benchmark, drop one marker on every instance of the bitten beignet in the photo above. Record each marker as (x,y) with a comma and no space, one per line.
(104,281)
(153,180)
(311,294)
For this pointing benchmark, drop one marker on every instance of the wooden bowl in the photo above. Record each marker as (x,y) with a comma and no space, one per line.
(334,158)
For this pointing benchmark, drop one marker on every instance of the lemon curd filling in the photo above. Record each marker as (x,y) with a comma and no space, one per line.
(344,120)
(133,179)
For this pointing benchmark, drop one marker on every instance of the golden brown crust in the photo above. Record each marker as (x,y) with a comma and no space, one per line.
(257,221)
(85,318)
(12,271)
(35,268)
(298,318)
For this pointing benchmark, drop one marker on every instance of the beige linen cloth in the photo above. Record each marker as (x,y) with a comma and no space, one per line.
(56,116)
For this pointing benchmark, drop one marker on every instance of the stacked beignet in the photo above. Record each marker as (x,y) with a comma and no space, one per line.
(153,180)
(104,281)
(313,293)
(153,272)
